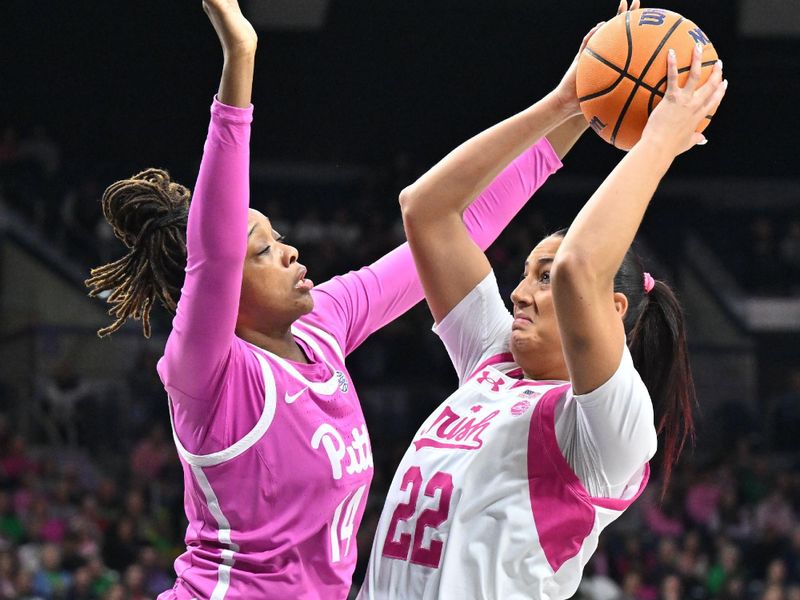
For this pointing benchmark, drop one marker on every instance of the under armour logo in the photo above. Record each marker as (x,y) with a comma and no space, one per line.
(496,383)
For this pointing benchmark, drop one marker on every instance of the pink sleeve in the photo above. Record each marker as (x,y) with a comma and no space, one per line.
(363,301)
(216,239)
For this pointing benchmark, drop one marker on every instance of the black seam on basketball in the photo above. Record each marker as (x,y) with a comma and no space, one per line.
(656,92)
(622,75)
(708,63)
(629,37)
(641,77)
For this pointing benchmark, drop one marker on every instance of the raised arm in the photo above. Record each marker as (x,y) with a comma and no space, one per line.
(366,300)
(216,236)
(590,255)
(239,41)
(450,265)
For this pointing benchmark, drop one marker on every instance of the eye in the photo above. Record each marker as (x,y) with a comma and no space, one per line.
(544,277)
(265,250)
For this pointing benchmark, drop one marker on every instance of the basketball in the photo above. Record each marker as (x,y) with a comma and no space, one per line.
(622,73)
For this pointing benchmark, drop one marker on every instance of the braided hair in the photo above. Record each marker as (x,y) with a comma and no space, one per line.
(148,213)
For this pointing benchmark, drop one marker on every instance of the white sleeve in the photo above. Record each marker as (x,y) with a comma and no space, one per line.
(608,435)
(477,328)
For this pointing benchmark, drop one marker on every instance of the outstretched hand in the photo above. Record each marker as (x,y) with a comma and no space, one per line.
(239,41)
(567,90)
(235,32)
(674,121)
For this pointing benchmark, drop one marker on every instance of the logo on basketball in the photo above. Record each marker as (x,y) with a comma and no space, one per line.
(653,16)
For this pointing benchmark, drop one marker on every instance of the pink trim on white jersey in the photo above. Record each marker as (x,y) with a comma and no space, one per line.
(492,361)
(563,510)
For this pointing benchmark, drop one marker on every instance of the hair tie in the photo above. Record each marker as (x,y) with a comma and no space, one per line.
(649,283)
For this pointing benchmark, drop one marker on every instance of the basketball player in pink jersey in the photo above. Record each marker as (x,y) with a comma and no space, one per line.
(276,458)
(507,485)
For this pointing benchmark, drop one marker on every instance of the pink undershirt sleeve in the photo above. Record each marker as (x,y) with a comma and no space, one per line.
(216,240)
(363,301)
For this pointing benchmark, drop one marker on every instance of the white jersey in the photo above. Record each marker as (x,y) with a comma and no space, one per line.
(507,485)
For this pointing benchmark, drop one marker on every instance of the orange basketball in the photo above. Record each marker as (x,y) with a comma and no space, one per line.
(622,74)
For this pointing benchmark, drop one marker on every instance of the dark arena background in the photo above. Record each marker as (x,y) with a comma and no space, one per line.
(354,99)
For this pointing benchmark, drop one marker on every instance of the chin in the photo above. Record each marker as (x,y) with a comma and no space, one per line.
(306,305)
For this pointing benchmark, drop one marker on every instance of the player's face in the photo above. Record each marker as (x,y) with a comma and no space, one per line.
(275,291)
(535,337)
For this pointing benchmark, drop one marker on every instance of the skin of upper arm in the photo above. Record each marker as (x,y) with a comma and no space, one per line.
(448,262)
(590,323)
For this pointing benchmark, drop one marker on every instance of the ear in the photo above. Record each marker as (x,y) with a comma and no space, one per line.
(621,304)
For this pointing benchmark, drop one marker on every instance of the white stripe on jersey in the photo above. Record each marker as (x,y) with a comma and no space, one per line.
(255,434)
(223,535)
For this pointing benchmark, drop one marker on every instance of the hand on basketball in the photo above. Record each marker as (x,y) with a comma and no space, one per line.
(567,89)
(675,120)
(235,32)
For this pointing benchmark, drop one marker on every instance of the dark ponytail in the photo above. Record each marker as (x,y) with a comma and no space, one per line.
(148,213)
(656,332)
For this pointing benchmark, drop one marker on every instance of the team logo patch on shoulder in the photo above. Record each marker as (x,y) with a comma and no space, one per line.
(520,408)
(343,385)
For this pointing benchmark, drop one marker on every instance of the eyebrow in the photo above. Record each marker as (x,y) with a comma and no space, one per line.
(252,229)
(541,261)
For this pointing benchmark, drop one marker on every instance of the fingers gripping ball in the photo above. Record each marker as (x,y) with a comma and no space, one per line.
(622,73)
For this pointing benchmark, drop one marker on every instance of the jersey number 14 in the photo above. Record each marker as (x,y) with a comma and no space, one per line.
(431,517)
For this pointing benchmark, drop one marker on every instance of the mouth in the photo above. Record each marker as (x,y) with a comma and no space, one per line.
(303,284)
(521,320)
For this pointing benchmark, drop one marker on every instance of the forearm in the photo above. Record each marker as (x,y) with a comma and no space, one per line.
(457,179)
(565,136)
(605,227)
(238,40)
(236,83)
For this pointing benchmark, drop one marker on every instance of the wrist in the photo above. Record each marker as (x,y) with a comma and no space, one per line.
(658,148)
(557,108)
(240,50)
(567,101)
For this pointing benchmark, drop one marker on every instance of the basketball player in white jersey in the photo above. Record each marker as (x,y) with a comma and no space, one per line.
(507,485)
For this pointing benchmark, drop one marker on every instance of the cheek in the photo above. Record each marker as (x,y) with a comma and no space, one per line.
(544,301)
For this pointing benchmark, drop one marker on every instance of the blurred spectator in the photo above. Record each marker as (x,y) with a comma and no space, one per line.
(727,567)
(151,454)
(775,515)
(51,580)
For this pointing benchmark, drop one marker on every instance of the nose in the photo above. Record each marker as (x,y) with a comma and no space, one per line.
(289,255)
(521,295)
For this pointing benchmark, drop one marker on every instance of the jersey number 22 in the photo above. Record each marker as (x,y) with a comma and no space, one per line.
(432,517)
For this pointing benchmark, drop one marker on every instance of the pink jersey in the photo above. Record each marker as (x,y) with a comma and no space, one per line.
(276,458)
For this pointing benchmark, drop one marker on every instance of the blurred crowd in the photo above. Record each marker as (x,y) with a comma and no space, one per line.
(340,227)
(86,519)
